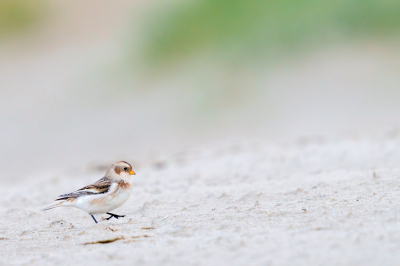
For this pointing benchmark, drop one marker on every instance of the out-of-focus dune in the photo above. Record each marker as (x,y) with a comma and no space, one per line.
(68,97)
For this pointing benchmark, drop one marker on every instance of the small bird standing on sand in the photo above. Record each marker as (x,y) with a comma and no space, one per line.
(103,196)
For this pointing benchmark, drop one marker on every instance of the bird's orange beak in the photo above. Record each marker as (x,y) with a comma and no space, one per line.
(132,173)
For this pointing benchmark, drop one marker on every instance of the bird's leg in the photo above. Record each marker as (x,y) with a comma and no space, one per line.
(94,218)
(116,216)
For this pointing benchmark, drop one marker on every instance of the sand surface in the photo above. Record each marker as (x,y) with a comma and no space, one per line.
(311,202)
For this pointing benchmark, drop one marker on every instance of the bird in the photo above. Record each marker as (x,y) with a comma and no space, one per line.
(103,196)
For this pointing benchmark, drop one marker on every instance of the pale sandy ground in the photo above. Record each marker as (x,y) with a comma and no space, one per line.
(311,202)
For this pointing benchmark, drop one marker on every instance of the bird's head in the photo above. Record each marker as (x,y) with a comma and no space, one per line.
(120,170)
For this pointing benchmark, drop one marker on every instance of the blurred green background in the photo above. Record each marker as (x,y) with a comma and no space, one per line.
(95,81)
(18,16)
(247,29)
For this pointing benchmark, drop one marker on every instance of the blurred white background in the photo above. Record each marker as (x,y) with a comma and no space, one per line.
(96,81)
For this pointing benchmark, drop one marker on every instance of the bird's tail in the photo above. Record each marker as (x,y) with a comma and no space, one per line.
(53,206)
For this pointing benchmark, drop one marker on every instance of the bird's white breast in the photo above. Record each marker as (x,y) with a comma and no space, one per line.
(115,197)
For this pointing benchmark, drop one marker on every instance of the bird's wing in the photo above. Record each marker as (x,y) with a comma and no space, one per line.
(100,186)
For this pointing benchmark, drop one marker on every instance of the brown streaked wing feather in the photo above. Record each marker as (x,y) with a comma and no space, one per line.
(100,186)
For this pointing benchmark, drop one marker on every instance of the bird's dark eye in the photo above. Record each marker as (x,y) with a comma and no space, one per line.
(125,169)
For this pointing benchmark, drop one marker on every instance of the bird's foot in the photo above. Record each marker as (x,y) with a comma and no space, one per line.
(116,216)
